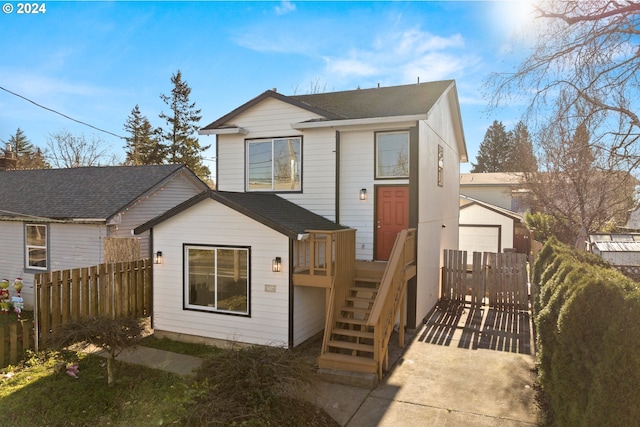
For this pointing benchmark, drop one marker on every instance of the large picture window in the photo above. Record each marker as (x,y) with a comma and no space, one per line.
(392,155)
(36,246)
(217,279)
(274,164)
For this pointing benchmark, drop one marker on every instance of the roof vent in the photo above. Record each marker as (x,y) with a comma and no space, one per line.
(275,89)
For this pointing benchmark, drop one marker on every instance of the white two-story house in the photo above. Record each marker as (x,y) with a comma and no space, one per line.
(307,185)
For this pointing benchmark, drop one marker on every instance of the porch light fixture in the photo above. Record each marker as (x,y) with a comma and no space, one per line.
(276,265)
(363,194)
(157,257)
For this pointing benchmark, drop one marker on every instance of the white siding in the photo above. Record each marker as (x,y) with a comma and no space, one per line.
(308,314)
(356,172)
(69,246)
(438,206)
(173,192)
(211,223)
(497,195)
(272,118)
(479,215)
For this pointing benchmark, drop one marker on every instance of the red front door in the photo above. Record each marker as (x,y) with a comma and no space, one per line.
(392,216)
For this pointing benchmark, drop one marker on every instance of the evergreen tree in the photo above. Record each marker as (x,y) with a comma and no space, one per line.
(494,154)
(522,157)
(143,147)
(27,156)
(182,126)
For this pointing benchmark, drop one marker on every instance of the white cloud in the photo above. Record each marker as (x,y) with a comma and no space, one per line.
(349,67)
(285,7)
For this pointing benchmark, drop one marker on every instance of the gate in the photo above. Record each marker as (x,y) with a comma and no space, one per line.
(496,279)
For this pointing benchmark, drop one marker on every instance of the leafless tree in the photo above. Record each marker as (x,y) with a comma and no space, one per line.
(586,53)
(65,150)
(579,186)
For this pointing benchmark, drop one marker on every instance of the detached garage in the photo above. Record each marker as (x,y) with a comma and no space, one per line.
(489,228)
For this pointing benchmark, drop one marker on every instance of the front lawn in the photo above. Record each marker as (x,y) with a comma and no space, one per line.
(33,394)
(255,386)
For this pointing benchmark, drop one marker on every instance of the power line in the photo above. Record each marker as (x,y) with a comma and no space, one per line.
(63,115)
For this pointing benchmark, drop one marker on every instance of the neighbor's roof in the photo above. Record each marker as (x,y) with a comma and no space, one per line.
(95,193)
(603,246)
(267,208)
(355,104)
(466,201)
(492,178)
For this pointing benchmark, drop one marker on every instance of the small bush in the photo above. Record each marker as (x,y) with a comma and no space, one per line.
(255,386)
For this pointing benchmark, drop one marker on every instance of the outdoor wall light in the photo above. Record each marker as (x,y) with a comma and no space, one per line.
(363,194)
(276,265)
(157,257)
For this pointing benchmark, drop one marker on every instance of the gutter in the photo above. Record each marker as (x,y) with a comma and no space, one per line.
(358,122)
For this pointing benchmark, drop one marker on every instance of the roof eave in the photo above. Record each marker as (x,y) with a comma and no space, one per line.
(224,131)
(357,122)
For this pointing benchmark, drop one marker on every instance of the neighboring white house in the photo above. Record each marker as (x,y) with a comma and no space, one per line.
(488,228)
(503,189)
(375,160)
(56,219)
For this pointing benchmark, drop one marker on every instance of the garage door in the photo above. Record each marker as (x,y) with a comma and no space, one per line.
(479,238)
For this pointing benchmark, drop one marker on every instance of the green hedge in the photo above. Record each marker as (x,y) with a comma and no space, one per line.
(587,319)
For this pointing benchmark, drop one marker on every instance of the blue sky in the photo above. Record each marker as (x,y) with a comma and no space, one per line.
(94,61)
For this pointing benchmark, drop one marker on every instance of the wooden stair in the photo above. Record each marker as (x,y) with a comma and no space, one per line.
(350,344)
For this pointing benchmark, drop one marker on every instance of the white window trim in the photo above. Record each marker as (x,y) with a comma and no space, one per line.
(186,283)
(27,247)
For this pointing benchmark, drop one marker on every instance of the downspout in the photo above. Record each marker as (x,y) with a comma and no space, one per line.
(414,194)
(291,289)
(337,163)
(152,274)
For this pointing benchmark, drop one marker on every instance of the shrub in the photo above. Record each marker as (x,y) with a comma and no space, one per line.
(588,337)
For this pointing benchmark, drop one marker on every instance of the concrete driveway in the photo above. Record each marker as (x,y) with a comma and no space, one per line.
(464,367)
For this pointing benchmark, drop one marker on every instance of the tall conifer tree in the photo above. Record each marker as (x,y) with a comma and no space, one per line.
(180,135)
(143,146)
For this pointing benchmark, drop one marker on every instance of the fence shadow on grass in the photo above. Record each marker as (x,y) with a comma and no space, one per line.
(478,327)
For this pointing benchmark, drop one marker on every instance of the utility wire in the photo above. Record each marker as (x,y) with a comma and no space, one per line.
(63,115)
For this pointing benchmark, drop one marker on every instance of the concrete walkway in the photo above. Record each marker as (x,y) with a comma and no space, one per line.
(464,367)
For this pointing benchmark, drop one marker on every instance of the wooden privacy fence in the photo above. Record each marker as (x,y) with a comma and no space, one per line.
(120,289)
(499,279)
(15,338)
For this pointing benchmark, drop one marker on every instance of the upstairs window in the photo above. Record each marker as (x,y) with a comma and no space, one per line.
(35,247)
(274,164)
(392,155)
(440,166)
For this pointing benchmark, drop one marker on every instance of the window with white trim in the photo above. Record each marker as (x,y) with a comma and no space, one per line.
(274,164)
(392,155)
(35,252)
(216,278)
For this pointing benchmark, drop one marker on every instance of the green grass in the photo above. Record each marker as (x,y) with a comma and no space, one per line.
(197,350)
(257,386)
(33,394)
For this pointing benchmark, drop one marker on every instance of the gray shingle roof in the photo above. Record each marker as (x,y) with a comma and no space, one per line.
(389,101)
(269,209)
(86,192)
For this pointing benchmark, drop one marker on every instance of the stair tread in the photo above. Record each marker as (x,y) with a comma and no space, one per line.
(362,289)
(350,321)
(350,345)
(352,333)
(356,310)
(346,358)
(360,299)
(367,280)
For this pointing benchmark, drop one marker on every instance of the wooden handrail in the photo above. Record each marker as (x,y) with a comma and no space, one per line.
(391,296)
